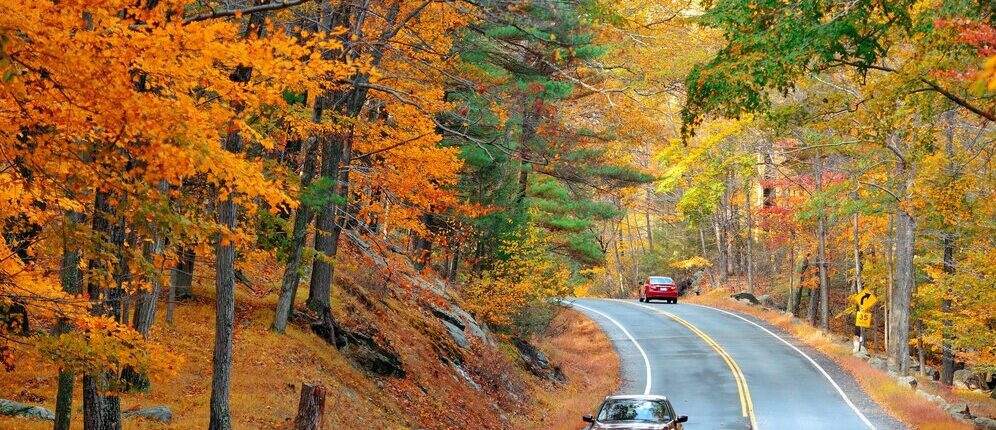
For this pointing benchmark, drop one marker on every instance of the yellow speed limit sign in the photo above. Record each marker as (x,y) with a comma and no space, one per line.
(863,319)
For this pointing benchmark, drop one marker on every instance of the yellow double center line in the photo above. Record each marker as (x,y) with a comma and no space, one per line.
(746,404)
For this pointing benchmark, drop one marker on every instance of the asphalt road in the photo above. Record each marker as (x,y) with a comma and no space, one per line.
(729,371)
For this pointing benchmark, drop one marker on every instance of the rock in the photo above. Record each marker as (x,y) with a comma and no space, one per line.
(984,423)
(538,363)
(466,377)
(907,381)
(457,334)
(862,354)
(472,326)
(959,409)
(447,316)
(363,351)
(766,301)
(160,413)
(16,409)
(878,363)
(746,296)
(931,397)
(931,373)
(967,380)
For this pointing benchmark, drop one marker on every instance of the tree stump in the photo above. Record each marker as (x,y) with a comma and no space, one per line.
(311,409)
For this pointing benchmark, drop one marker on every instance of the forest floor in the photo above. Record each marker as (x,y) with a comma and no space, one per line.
(903,403)
(269,368)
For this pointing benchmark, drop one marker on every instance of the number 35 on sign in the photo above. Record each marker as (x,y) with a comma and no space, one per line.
(863,319)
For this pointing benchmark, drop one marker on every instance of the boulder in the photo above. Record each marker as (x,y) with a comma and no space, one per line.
(766,301)
(538,363)
(958,410)
(364,352)
(472,326)
(878,363)
(931,397)
(746,297)
(968,380)
(907,381)
(862,354)
(16,409)
(984,423)
(447,316)
(159,413)
(457,334)
(466,377)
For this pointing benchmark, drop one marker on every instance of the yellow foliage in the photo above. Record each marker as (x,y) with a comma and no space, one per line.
(529,276)
(691,263)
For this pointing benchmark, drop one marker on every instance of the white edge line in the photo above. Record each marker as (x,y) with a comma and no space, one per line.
(646,361)
(811,361)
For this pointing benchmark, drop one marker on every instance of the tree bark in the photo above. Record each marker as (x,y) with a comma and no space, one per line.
(899,326)
(720,246)
(750,240)
(292,276)
(792,300)
(822,253)
(311,408)
(947,354)
(182,276)
(326,236)
(650,229)
(221,369)
(102,410)
(72,284)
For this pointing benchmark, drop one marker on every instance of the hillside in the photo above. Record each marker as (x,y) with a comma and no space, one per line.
(484,384)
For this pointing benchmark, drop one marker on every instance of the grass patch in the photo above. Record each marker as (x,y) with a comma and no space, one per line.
(586,356)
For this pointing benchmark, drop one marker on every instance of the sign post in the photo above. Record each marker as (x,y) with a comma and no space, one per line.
(865,300)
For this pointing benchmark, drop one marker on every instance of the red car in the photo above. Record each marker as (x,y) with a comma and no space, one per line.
(659,287)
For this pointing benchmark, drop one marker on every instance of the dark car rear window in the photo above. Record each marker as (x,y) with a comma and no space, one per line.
(661,280)
(651,411)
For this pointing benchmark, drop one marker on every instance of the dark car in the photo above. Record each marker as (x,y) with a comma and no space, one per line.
(637,412)
(659,288)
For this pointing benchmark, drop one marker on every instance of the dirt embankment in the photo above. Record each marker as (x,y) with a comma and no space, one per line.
(447,383)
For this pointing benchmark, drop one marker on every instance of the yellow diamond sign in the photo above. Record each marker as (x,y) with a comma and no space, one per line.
(865,299)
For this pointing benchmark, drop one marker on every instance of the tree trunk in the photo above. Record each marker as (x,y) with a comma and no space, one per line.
(822,253)
(921,354)
(750,240)
(720,247)
(890,279)
(899,326)
(311,408)
(100,411)
(319,293)
(731,239)
(182,279)
(101,408)
(947,354)
(292,275)
(615,250)
(860,332)
(72,284)
(221,370)
(792,301)
(650,229)
(708,270)
(145,304)
(632,249)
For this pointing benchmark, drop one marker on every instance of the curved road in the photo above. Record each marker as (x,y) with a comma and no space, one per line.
(727,371)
